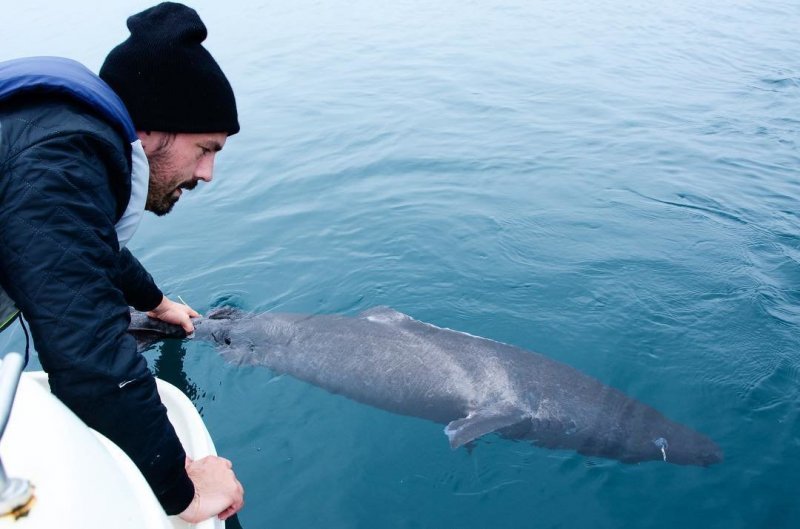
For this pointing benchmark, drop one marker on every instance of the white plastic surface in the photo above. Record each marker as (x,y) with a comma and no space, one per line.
(82,479)
(194,437)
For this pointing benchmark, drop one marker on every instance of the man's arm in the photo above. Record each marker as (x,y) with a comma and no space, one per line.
(59,262)
(137,284)
(141,292)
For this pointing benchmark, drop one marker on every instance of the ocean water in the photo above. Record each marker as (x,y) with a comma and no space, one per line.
(613,184)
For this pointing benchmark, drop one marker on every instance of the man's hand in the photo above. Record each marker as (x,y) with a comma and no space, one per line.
(216,490)
(175,313)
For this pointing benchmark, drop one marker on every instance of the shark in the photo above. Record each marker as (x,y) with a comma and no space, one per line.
(473,386)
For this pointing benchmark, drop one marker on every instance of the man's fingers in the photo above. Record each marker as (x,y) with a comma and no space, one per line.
(217,491)
(230,511)
(187,326)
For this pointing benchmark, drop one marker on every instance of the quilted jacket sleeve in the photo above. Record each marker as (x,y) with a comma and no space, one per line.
(137,285)
(61,263)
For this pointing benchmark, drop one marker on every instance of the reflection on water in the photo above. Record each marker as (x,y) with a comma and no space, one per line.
(168,365)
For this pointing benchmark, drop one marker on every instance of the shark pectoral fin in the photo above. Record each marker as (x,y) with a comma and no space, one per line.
(481,422)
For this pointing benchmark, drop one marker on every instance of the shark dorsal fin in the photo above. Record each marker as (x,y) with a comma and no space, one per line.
(383,314)
(483,421)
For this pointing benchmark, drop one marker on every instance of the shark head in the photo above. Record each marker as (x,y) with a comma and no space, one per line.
(147,331)
(233,332)
(215,327)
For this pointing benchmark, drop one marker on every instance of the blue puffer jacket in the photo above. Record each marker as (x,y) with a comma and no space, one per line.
(65,202)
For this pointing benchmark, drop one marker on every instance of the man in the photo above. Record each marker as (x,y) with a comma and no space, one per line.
(74,157)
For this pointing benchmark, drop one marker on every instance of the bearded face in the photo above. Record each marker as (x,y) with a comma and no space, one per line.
(178,162)
(166,184)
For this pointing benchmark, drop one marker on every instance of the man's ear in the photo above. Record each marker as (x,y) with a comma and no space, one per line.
(146,137)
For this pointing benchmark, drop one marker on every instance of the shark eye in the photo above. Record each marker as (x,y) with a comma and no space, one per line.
(221,338)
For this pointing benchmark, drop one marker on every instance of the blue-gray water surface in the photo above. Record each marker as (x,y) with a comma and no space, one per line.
(613,184)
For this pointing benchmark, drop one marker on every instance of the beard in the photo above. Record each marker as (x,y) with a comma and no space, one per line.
(164,182)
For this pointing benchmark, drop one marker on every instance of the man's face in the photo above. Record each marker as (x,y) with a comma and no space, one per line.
(178,162)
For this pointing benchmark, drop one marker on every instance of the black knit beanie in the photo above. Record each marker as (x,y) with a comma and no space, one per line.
(168,81)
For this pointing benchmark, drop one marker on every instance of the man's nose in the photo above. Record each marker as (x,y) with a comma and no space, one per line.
(205,169)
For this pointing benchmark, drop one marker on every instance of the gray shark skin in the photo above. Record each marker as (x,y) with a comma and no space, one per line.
(473,385)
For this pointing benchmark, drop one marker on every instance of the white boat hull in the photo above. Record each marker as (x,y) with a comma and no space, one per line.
(82,479)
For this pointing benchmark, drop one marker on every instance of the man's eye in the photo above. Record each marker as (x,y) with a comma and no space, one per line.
(205,150)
